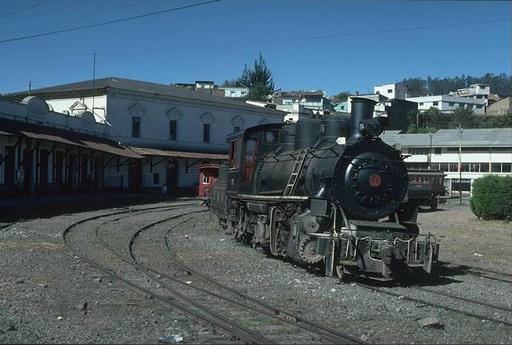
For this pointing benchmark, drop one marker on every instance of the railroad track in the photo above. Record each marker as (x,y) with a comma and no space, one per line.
(6,225)
(485,273)
(168,290)
(439,294)
(478,272)
(92,251)
(240,305)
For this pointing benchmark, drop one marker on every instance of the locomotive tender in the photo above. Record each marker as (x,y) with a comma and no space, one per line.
(324,191)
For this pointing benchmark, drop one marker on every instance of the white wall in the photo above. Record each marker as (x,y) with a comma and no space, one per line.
(36,110)
(64,105)
(156,114)
(449,103)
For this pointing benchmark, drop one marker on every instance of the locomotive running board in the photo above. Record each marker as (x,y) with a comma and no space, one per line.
(271,197)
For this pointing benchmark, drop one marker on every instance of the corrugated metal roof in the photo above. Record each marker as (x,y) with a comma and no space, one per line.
(42,136)
(115,150)
(5,133)
(146,151)
(476,137)
(67,137)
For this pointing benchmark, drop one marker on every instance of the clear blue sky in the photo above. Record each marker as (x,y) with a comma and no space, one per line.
(213,42)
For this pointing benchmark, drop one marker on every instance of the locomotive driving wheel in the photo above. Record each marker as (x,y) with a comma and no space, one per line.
(308,251)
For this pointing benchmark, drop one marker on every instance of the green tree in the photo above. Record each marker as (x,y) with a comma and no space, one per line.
(464,117)
(432,119)
(258,79)
(415,86)
(342,96)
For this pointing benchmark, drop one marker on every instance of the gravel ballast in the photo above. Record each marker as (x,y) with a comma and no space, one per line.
(50,295)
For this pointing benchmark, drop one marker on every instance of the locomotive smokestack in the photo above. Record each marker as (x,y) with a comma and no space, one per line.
(362,109)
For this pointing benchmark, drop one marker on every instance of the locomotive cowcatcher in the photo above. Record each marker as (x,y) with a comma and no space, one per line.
(324,191)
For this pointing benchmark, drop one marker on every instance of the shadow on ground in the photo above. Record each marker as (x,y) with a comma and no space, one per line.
(33,208)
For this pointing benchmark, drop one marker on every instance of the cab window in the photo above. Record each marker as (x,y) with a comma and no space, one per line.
(234,154)
(250,158)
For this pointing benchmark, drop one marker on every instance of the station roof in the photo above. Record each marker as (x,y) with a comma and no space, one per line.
(471,137)
(146,151)
(58,135)
(102,85)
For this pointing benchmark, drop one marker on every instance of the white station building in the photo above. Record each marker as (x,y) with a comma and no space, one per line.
(173,128)
(483,151)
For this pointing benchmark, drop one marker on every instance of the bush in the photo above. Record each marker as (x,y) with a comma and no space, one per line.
(492,197)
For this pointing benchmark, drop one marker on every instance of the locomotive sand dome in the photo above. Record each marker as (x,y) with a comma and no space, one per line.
(324,191)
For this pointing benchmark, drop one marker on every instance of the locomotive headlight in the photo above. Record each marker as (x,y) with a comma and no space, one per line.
(375,180)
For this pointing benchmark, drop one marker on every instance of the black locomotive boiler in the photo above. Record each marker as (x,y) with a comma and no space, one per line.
(324,191)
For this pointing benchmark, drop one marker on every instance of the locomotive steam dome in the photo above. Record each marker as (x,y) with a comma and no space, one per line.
(370,180)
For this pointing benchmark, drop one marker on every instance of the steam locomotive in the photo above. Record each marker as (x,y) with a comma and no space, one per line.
(324,191)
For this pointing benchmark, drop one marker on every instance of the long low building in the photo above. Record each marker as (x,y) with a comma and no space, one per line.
(173,128)
(483,151)
(449,103)
(42,151)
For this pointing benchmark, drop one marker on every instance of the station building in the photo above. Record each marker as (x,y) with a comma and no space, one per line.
(172,128)
(45,152)
(483,151)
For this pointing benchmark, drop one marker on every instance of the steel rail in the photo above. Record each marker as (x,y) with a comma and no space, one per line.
(482,272)
(433,304)
(227,327)
(200,312)
(269,311)
(448,294)
(475,268)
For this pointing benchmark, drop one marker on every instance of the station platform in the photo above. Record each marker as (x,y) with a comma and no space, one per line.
(17,208)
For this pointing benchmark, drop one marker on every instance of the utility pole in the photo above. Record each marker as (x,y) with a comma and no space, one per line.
(429,160)
(460,163)
(93,82)
(29,87)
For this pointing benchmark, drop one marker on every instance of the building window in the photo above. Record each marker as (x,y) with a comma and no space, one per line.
(236,129)
(205,180)
(206,133)
(484,167)
(173,125)
(496,167)
(451,104)
(418,151)
(135,126)
(506,167)
(435,103)
(437,151)
(479,107)
(421,103)
(156,178)
(390,90)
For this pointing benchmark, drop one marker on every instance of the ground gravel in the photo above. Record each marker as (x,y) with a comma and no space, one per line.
(47,295)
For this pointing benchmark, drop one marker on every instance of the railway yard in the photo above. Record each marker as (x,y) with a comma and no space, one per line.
(167,272)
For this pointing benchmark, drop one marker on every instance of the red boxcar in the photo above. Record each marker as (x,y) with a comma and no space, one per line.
(208,174)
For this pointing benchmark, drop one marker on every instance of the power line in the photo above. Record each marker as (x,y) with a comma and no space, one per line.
(5,14)
(114,21)
(277,40)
